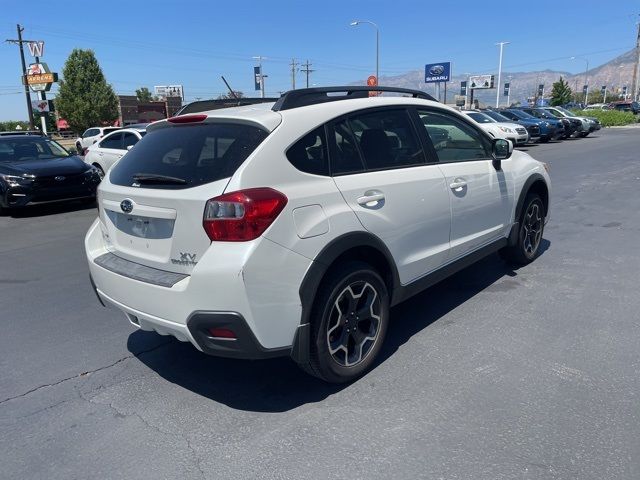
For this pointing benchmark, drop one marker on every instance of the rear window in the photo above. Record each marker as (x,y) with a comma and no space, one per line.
(187,156)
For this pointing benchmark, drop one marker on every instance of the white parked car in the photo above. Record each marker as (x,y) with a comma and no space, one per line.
(517,134)
(91,136)
(292,228)
(113,146)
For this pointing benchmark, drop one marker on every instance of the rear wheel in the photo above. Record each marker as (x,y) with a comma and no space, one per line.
(348,323)
(584,134)
(530,233)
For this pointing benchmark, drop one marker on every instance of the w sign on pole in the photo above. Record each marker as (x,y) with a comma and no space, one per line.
(36,49)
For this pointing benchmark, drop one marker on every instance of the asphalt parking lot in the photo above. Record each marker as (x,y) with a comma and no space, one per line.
(493,374)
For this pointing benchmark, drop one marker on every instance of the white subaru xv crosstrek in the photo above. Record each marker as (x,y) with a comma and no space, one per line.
(292,228)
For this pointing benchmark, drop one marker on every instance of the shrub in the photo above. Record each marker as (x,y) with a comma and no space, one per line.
(609,118)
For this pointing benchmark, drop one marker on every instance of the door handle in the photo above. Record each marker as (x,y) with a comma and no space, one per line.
(458,184)
(371,198)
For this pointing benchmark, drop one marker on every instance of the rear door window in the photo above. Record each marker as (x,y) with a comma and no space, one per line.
(191,155)
(112,141)
(129,140)
(387,139)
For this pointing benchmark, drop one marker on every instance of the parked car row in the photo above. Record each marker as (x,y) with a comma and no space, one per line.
(533,124)
(622,105)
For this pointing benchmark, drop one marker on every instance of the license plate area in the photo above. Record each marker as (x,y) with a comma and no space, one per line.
(142,227)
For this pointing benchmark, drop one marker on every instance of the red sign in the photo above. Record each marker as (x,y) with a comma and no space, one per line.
(372,81)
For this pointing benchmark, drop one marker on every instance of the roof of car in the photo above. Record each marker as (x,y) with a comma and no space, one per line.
(263,113)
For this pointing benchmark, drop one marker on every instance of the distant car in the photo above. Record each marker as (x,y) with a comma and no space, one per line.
(509,131)
(598,106)
(532,127)
(627,106)
(548,129)
(35,170)
(91,136)
(571,127)
(574,106)
(589,124)
(113,146)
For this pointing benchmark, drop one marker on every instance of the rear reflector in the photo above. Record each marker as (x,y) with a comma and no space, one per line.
(222,333)
(243,215)
(187,119)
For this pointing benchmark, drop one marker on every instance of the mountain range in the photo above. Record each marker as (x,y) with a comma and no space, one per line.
(614,73)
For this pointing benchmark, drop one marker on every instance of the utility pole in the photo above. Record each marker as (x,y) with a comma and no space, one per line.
(294,65)
(634,95)
(262,75)
(502,44)
(20,43)
(307,70)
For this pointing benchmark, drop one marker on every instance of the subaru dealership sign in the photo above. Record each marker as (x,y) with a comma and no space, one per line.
(437,72)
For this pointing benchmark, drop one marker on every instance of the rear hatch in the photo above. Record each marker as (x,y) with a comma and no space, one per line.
(153,200)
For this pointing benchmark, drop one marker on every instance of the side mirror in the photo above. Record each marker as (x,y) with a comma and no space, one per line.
(502,149)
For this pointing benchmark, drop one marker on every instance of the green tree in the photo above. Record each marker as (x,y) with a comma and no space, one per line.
(85,99)
(144,95)
(10,125)
(561,93)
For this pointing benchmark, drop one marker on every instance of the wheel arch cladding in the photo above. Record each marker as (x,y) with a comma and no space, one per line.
(362,246)
(534,184)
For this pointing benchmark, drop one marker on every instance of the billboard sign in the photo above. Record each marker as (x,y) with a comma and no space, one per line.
(463,89)
(40,106)
(169,91)
(39,77)
(507,87)
(437,72)
(480,81)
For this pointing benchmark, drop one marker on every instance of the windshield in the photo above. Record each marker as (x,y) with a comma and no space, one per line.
(555,113)
(521,114)
(565,111)
(30,148)
(497,117)
(481,117)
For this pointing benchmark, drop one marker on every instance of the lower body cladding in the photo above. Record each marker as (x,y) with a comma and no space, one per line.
(241,300)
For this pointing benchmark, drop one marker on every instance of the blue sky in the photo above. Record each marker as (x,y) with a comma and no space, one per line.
(194,42)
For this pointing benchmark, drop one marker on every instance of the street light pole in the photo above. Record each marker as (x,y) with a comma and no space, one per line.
(586,93)
(502,44)
(357,22)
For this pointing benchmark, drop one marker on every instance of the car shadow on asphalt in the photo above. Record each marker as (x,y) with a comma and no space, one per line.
(278,385)
(51,209)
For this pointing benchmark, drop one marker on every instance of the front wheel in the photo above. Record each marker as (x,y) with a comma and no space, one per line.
(348,323)
(530,233)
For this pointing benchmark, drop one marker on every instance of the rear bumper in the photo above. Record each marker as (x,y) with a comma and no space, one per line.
(248,287)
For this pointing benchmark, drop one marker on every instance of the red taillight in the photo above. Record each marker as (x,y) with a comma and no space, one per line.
(187,119)
(222,333)
(243,215)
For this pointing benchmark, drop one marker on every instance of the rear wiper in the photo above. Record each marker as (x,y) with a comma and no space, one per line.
(154,178)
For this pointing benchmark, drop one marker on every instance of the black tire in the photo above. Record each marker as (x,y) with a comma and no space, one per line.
(335,354)
(527,248)
(584,134)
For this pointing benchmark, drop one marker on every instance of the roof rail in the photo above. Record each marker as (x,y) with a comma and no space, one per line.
(313,96)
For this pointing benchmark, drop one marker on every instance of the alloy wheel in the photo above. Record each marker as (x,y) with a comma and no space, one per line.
(532,227)
(354,324)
